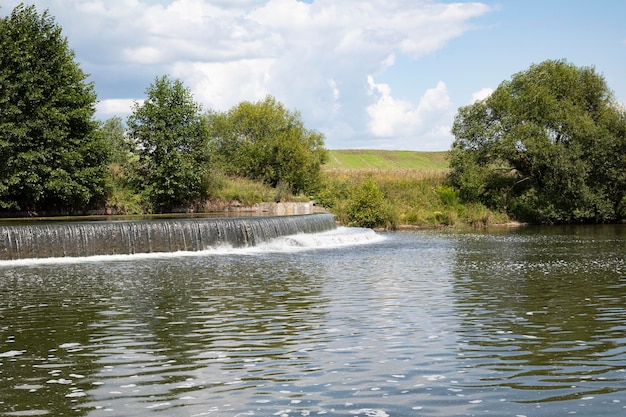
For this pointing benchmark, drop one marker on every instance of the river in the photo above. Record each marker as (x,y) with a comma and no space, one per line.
(512,322)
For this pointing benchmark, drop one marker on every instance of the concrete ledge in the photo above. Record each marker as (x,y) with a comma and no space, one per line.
(270,208)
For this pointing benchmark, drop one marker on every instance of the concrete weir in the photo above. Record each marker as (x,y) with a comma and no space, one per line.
(77,239)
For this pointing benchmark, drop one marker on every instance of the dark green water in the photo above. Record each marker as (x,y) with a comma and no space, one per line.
(524,322)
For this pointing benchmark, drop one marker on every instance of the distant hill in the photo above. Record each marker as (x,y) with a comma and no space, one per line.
(363,159)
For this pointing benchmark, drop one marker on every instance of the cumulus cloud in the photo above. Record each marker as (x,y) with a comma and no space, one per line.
(387,115)
(319,57)
(481,94)
(221,85)
(409,124)
(115,107)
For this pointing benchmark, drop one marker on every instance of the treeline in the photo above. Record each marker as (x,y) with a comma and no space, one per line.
(548,145)
(56,158)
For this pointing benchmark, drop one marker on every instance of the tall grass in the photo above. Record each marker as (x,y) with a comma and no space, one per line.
(221,187)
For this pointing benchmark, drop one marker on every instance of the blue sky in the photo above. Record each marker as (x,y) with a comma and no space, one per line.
(379,74)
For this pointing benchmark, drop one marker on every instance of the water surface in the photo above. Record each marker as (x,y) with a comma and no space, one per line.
(523,322)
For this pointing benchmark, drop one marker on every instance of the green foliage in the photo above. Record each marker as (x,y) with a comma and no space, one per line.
(114,133)
(264,141)
(366,205)
(51,158)
(448,195)
(546,146)
(121,199)
(171,138)
(166,154)
(121,196)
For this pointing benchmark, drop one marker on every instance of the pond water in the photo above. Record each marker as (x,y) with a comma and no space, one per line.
(514,322)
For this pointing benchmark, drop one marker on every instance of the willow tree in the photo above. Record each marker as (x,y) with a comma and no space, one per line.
(548,145)
(50,158)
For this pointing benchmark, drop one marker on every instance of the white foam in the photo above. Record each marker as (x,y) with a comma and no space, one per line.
(340,237)
(370,412)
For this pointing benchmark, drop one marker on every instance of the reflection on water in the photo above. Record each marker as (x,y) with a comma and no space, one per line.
(527,322)
(544,312)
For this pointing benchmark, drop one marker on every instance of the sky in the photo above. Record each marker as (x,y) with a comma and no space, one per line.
(368,74)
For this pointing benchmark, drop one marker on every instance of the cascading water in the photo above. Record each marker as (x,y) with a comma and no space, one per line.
(129,237)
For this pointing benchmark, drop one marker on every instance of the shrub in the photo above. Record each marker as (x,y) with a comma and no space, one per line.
(366,206)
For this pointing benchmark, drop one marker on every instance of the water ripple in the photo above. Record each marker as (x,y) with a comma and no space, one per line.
(417,324)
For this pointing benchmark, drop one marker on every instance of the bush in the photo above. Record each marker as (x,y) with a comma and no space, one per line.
(366,206)
(448,195)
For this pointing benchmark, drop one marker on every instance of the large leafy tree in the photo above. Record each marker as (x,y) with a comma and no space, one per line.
(171,137)
(548,145)
(265,141)
(50,158)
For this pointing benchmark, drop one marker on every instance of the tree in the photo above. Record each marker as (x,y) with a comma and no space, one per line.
(171,137)
(264,141)
(50,158)
(549,145)
(120,181)
(122,148)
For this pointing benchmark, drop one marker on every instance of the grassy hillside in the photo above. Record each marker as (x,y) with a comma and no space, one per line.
(362,159)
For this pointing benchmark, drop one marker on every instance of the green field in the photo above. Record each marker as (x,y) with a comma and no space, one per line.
(362,159)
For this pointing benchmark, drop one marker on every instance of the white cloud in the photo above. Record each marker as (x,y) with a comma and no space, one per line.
(314,57)
(221,85)
(407,123)
(115,107)
(481,94)
(389,116)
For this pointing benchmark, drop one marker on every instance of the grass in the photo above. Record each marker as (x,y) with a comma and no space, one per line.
(353,159)
(224,188)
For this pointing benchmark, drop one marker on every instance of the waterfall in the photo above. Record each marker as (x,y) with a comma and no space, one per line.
(144,236)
